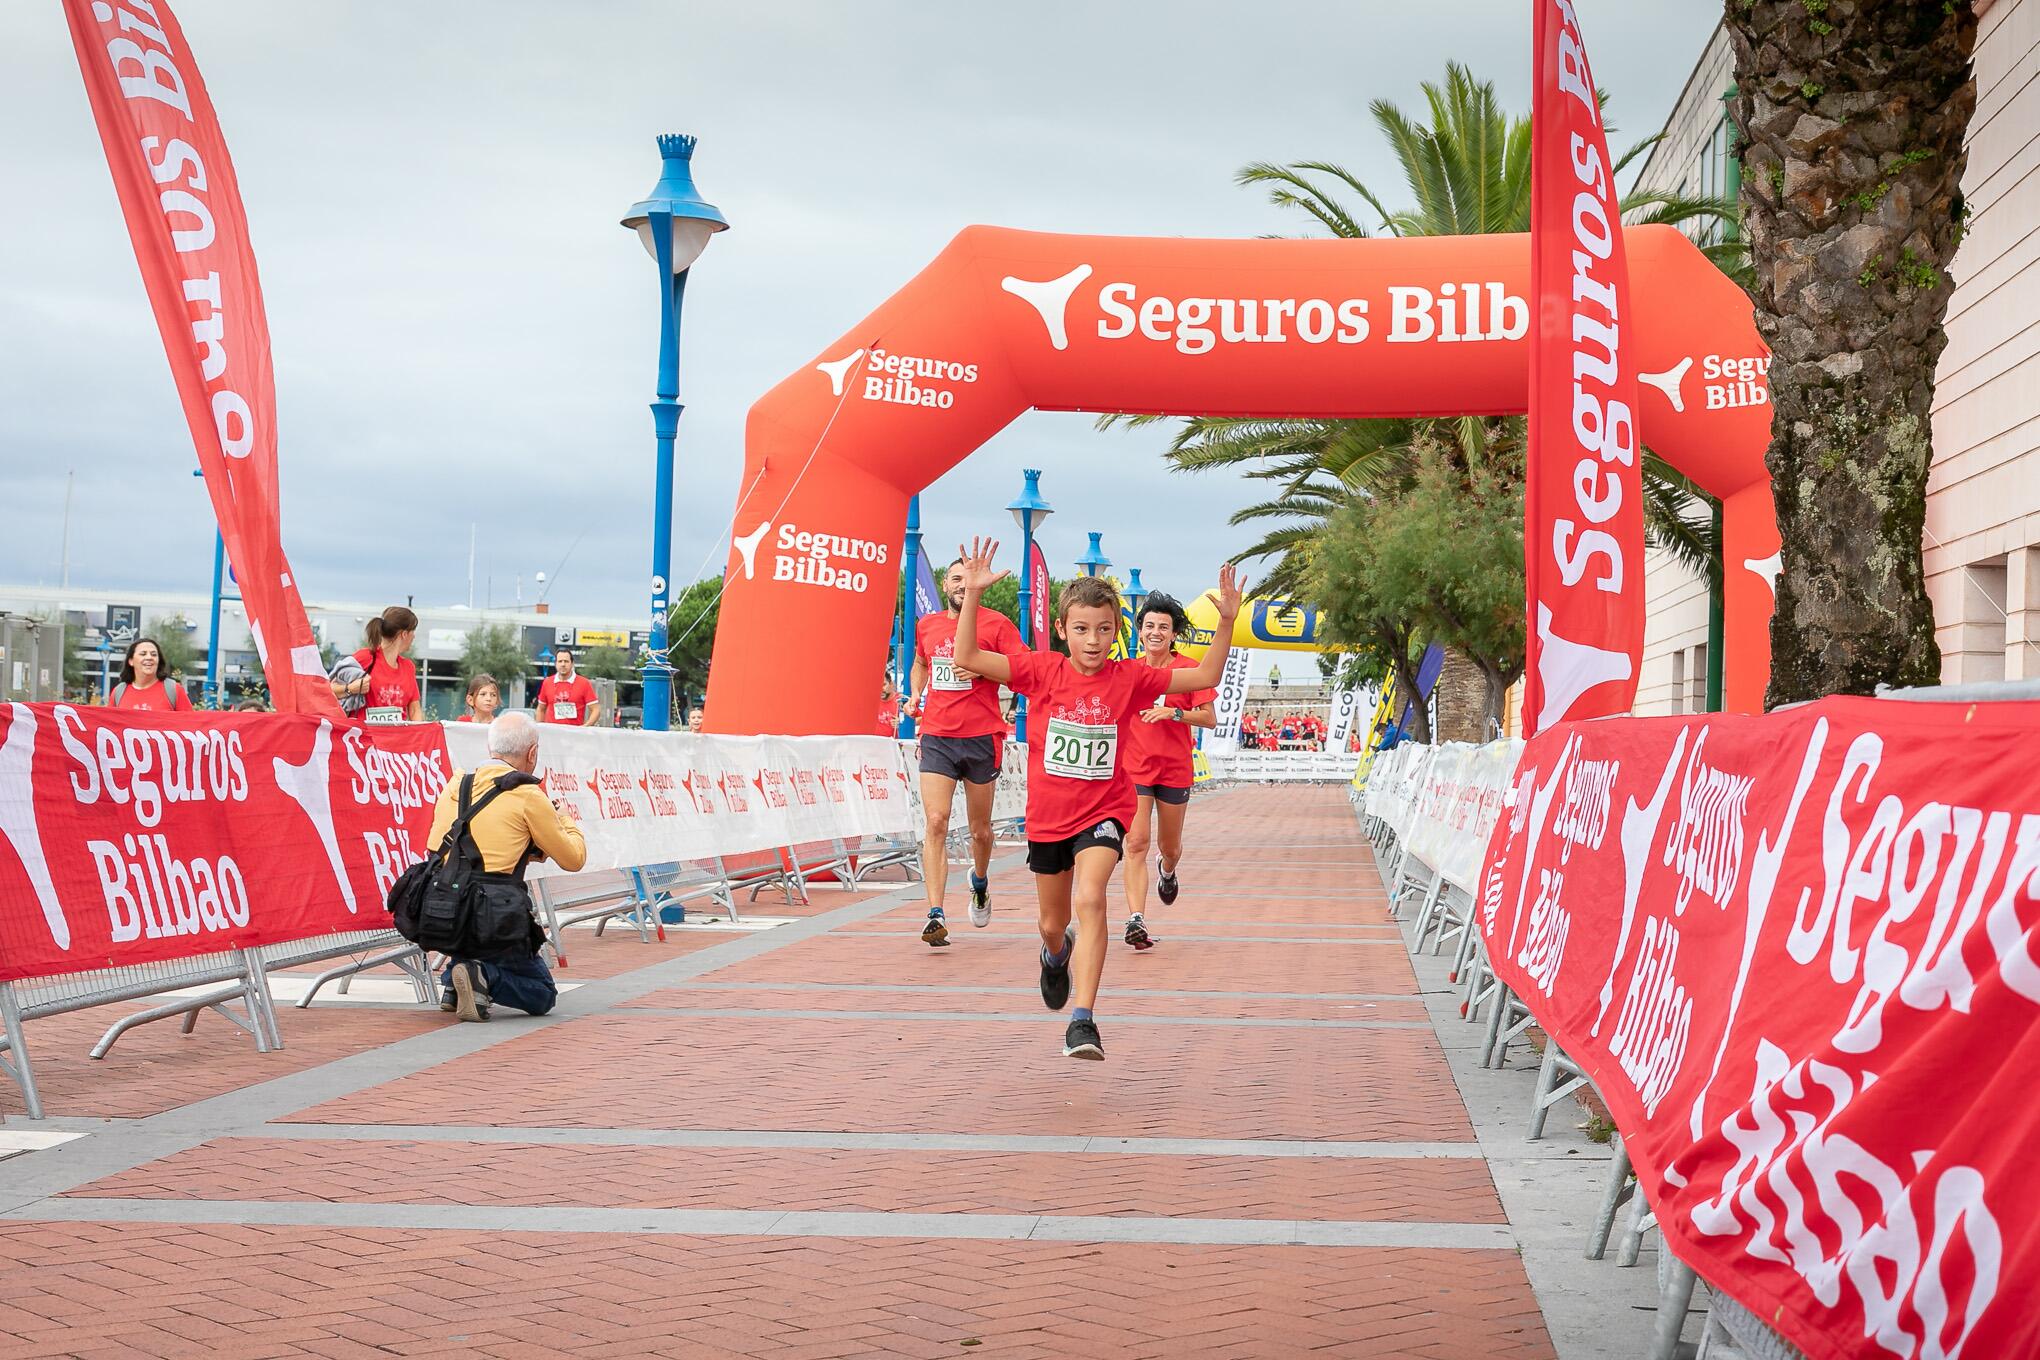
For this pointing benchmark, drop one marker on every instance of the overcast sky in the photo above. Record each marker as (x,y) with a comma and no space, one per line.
(463,333)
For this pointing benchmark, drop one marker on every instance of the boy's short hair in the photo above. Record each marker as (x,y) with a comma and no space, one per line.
(1089,592)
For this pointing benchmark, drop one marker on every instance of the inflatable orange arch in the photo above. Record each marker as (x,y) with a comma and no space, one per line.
(1004,321)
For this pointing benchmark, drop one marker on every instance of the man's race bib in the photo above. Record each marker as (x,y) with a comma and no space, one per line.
(383,716)
(566,710)
(1077,750)
(943,675)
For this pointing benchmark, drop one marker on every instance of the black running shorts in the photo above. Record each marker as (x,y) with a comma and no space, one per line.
(974,760)
(1163,793)
(1059,857)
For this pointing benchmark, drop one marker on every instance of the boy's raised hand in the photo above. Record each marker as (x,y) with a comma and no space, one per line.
(1229,587)
(978,572)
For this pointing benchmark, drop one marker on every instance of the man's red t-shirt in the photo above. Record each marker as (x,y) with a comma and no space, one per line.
(889,718)
(565,701)
(1159,753)
(952,706)
(391,689)
(156,698)
(1076,739)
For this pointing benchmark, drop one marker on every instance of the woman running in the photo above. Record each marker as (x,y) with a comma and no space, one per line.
(1158,759)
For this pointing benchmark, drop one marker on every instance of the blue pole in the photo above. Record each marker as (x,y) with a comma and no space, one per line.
(666,408)
(212,638)
(1026,613)
(910,606)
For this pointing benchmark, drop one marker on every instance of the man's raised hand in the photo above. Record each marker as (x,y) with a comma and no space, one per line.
(978,572)
(1229,587)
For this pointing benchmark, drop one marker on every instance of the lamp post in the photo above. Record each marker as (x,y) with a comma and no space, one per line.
(910,611)
(1094,561)
(1132,594)
(1029,510)
(674,222)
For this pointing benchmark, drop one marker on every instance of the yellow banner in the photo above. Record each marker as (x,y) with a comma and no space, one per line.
(601,637)
(1200,768)
(1264,623)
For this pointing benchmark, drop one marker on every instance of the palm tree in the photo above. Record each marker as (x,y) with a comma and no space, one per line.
(1853,159)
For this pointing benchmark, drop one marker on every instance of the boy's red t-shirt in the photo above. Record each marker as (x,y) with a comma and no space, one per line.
(1077,737)
(950,705)
(1159,753)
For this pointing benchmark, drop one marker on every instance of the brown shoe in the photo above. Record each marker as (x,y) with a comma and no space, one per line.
(470,992)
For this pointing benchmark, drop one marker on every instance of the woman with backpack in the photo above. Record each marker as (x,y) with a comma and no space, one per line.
(386,688)
(145,683)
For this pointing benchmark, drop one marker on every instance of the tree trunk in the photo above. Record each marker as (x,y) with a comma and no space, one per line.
(1853,114)
(1462,691)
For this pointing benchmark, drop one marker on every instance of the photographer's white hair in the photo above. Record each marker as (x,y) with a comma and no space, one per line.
(512,734)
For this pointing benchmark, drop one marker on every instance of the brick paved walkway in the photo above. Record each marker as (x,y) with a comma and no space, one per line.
(817,1140)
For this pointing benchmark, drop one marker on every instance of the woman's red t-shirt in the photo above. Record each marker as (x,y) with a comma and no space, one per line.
(156,698)
(389,686)
(1158,754)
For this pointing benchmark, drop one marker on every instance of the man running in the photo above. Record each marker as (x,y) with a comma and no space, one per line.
(1080,800)
(1158,758)
(961,733)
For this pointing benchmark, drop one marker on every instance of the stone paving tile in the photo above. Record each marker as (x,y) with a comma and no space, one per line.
(367,1171)
(636,1070)
(902,1000)
(381,1292)
(1185,965)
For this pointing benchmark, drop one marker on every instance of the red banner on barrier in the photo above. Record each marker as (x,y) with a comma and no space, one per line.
(127,837)
(1583,496)
(1795,954)
(183,208)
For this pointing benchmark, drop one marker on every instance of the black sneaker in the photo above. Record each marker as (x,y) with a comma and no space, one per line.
(1166,888)
(1055,978)
(1081,1041)
(1137,932)
(935,933)
(470,992)
(448,1002)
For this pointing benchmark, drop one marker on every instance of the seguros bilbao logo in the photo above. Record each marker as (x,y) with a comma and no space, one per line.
(898,379)
(1453,312)
(832,561)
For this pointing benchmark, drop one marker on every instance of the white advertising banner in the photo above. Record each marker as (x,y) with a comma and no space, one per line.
(1232,699)
(666,797)
(1345,712)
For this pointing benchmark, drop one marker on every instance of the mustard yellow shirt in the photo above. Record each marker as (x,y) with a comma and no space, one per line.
(519,819)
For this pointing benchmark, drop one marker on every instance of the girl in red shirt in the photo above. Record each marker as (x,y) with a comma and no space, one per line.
(390,682)
(1158,751)
(1080,798)
(144,683)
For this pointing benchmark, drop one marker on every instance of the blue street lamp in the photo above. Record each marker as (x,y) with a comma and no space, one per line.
(1132,594)
(1094,561)
(1029,510)
(910,612)
(674,222)
(105,669)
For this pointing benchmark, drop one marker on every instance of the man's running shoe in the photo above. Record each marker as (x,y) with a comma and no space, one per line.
(980,901)
(1055,977)
(935,933)
(1137,932)
(448,1002)
(1166,888)
(1081,1041)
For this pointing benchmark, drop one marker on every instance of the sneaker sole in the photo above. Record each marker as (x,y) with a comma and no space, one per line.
(1088,1052)
(466,1005)
(935,934)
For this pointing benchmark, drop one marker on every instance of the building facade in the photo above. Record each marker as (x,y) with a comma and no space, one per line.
(86,618)
(1982,547)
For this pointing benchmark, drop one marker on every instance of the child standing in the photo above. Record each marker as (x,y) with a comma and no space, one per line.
(1080,798)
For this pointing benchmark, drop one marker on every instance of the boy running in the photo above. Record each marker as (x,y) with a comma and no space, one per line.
(1080,800)
(1158,759)
(962,735)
